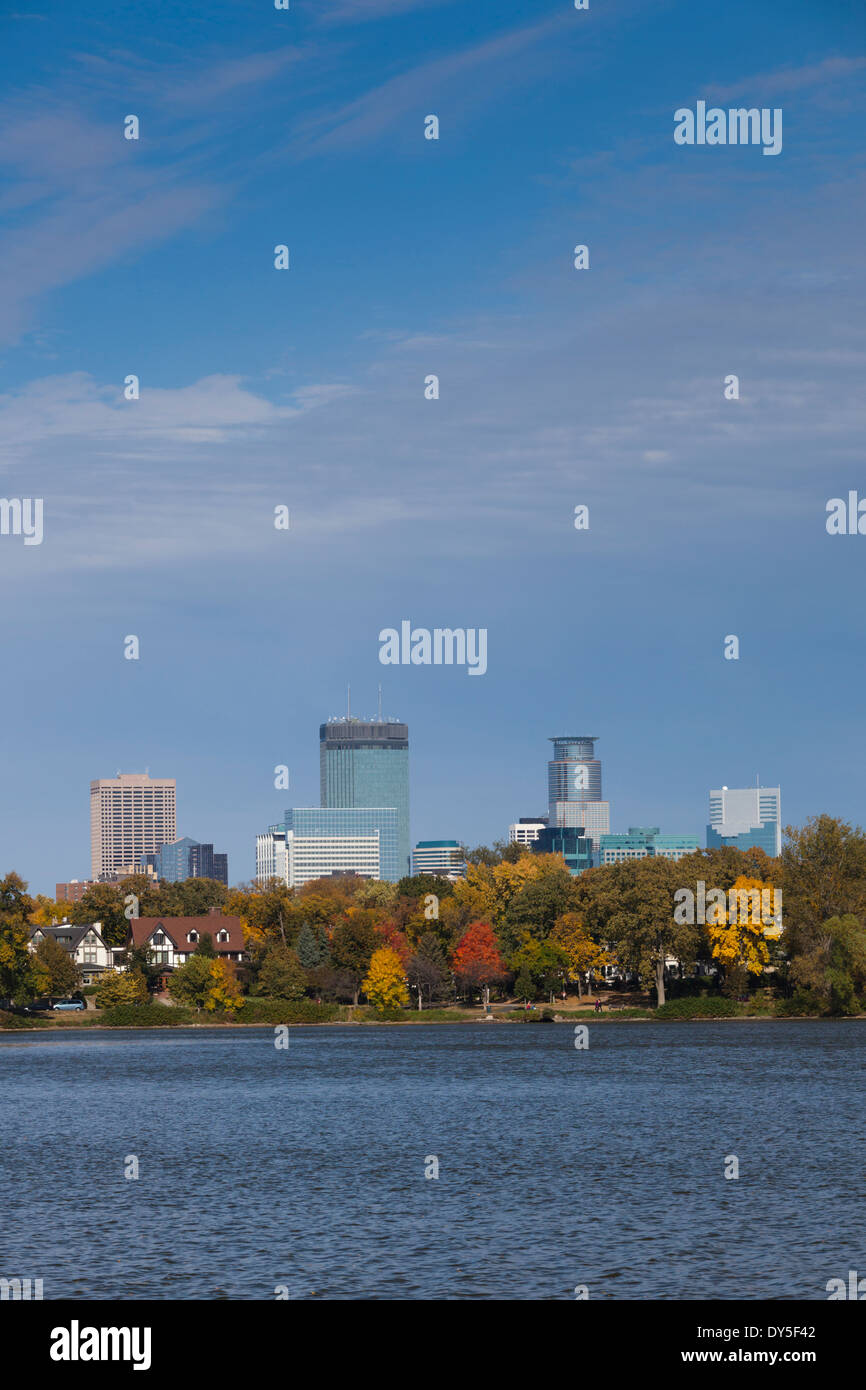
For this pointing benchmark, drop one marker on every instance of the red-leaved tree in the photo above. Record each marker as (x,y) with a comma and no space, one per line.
(476,961)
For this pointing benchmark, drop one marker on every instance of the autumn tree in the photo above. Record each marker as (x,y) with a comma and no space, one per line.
(385,982)
(265,910)
(120,987)
(225,994)
(738,932)
(22,977)
(584,957)
(476,962)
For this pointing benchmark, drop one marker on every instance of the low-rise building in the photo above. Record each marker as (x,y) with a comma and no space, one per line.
(73,891)
(445,857)
(645,842)
(526,830)
(172,940)
(573,842)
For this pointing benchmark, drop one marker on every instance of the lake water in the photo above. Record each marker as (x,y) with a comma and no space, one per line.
(557,1167)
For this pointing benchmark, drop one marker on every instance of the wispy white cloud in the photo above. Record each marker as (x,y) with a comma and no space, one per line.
(508,55)
(781,80)
(365,11)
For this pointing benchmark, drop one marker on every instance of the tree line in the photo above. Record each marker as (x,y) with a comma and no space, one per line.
(518,924)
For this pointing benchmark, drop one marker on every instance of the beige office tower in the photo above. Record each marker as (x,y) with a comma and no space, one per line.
(130,815)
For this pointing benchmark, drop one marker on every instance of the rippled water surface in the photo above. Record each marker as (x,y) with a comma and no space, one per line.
(557,1167)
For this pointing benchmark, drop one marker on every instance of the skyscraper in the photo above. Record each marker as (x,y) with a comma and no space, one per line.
(574,787)
(747,818)
(130,815)
(366,763)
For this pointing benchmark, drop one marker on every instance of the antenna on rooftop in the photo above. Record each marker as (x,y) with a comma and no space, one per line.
(348,702)
(380,704)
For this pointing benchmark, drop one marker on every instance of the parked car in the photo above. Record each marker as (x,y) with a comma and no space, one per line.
(39,1006)
(67,1004)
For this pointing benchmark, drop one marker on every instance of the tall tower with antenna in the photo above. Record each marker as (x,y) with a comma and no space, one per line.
(365,763)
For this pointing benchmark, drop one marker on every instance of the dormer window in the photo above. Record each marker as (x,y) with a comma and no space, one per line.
(222,935)
(192,936)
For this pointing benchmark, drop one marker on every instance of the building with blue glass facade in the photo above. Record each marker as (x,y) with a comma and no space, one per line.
(645,842)
(572,842)
(186,858)
(365,763)
(574,790)
(747,818)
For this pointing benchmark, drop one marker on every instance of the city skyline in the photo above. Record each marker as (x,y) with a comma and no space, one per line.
(559,389)
(394,731)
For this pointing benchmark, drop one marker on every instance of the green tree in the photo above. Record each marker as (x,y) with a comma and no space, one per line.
(417,886)
(191,983)
(536,907)
(104,902)
(833,968)
(630,906)
(205,946)
(352,945)
(428,967)
(191,897)
(543,962)
(63,975)
(281,975)
(823,877)
(312,947)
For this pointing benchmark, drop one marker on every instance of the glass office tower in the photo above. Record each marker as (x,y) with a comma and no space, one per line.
(366,763)
(574,787)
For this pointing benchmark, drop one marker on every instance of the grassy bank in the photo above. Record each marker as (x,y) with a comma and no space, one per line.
(258,1013)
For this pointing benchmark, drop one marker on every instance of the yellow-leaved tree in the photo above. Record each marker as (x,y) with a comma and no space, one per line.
(385,982)
(584,955)
(740,941)
(225,992)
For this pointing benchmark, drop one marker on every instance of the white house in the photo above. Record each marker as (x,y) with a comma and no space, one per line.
(85,944)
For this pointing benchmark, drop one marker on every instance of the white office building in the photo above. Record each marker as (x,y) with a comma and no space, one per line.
(295,859)
(747,818)
(444,857)
(525,831)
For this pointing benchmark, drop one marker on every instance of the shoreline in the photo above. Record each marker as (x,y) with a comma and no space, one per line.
(403,1023)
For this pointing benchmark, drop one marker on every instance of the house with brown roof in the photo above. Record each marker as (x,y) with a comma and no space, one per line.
(172,940)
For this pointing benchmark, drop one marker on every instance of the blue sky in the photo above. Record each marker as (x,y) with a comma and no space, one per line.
(558,387)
